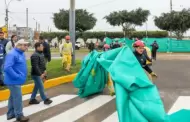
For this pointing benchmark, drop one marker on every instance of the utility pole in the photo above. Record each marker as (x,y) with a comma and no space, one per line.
(39,27)
(171,5)
(146,30)
(7,14)
(171,9)
(72,27)
(27,24)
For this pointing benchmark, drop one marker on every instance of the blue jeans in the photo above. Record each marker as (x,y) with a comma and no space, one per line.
(15,108)
(1,71)
(38,86)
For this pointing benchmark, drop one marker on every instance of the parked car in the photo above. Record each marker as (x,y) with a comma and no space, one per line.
(77,45)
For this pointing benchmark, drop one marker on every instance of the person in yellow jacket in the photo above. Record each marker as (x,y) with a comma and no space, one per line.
(148,52)
(67,50)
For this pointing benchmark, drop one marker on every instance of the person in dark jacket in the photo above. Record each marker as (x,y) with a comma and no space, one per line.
(116,45)
(15,70)
(91,46)
(3,43)
(38,72)
(155,47)
(141,57)
(47,50)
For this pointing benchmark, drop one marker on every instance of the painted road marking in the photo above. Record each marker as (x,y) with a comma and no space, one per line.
(37,108)
(183,102)
(112,118)
(79,111)
(25,97)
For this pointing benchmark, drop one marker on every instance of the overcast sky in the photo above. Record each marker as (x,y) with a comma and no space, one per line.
(42,11)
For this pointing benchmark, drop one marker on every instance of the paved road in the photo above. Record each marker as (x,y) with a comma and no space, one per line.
(173,81)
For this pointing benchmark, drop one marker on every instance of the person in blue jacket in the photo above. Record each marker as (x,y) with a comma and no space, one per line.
(15,70)
(3,43)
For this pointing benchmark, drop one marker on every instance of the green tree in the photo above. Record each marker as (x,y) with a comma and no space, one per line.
(128,19)
(178,22)
(84,20)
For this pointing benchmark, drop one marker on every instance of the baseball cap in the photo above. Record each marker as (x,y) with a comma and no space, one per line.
(21,41)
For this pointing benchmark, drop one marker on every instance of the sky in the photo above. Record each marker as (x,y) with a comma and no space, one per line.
(41,10)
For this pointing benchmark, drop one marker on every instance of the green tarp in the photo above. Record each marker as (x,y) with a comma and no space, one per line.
(91,76)
(165,44)
(137,99)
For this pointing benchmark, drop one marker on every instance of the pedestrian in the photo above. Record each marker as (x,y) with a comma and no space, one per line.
(116,45)
(67,54)
(91,46)
(139,54)
(155,47)
(3,43)
(11,44)
(47,50)
(15,70)
(38,73)
(106,47)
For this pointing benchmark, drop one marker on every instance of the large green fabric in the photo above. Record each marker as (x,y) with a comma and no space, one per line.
(92,78)
(136,96)
(137,99)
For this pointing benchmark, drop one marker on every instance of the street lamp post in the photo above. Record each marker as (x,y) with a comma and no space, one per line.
(72,27)
(36,24)
(7,13)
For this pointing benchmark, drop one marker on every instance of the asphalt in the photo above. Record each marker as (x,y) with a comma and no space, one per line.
(173,81)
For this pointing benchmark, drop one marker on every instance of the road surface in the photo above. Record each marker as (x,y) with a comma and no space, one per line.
(173,83)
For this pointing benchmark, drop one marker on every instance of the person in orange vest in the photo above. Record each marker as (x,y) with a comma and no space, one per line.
(67,51)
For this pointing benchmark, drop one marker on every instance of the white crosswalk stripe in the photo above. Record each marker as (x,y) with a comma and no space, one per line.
(112,118)
(25,97)
(82,108)
(37,108)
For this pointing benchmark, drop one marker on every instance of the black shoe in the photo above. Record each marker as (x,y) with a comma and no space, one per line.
(1,83)
(22,119)
(48,101)
(9,118)
(33,102)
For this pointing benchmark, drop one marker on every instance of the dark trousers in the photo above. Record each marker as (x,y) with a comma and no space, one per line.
(154,54)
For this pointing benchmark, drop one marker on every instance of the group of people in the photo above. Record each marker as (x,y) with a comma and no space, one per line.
(14,72)
(106,47)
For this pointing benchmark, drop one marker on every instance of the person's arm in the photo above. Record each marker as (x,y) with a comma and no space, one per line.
(146,55)
(148,69)
(8,66)
(34,63)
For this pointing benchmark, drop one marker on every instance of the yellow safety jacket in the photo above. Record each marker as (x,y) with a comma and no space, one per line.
(149,54)
(67,48)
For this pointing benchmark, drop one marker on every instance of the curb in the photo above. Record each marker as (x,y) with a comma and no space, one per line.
(26,89)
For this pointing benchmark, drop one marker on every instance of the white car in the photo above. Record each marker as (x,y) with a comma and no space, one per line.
(77,45)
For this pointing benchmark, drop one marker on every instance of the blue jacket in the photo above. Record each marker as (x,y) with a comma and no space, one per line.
(15,68)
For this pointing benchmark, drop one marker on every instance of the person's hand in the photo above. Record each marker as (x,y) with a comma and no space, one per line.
(42,76)
(45,73)
(153,75)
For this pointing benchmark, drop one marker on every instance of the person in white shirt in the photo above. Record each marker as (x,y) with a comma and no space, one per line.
(11,44)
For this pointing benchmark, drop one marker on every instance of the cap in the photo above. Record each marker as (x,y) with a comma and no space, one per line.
(21,41)
(138,44)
